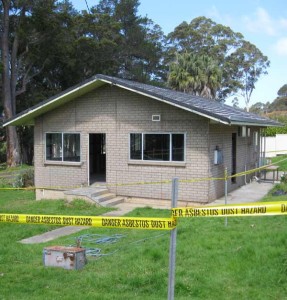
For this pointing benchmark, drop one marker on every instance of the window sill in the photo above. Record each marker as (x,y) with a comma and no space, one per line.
(157,163)
(63,163)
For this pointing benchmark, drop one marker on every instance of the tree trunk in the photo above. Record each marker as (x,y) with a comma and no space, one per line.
(13,72)
(13,153)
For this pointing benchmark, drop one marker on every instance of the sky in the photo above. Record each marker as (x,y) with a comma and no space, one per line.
(262,22)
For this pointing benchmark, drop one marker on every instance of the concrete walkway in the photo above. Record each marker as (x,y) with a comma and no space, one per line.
(251,192)
(53,234)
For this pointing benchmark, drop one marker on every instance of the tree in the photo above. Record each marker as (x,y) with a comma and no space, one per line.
(259,108)
(277,109)
(282,92)
(52,59)
(96,45)
(29,45)
(138,41)
(235,102)
(279,104)
(9,84)
(195,74)
(46,46)
(251,64)
(280,117)
(234,55)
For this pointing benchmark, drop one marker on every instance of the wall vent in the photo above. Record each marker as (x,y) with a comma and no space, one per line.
(155,118)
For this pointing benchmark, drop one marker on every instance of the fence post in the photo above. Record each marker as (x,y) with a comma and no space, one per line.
(172,245)
(225,190)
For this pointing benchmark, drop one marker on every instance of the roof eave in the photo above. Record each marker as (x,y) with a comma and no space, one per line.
(28,118)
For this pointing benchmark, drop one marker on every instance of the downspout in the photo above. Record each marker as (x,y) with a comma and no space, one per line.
(210,162)
(88,160)
(246,146)
(245,182)
(264,157)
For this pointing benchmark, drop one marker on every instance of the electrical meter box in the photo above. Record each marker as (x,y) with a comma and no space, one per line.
(72,258)
(218,157)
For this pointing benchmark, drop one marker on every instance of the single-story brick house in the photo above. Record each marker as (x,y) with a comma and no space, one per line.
(118,131)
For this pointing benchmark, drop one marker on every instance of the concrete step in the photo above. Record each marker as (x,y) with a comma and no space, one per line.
(99,195)
(103,197)
(99,192)
(112,202)
(87,191)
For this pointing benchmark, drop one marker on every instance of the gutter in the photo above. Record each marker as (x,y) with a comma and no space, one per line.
(238,123)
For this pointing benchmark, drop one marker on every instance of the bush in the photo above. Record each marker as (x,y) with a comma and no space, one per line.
(272,131)
(283,178)
(25,179)
(3,183)
(2,152)
(278,189)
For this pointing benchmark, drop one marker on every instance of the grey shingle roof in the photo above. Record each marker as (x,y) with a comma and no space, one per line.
(199,105)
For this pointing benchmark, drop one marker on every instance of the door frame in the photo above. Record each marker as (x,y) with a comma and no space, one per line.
(91,134)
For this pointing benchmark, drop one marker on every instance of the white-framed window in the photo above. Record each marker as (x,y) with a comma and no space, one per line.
(62,146)
(157,146)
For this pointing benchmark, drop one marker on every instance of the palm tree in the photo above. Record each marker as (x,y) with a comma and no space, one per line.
(196,74)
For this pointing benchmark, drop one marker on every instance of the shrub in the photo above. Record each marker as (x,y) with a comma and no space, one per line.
(3,183)
(2,152)
(278,189)
(25,179)
(283,178)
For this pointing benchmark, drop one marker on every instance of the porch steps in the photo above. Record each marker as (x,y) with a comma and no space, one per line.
(99,195)
(113,201)
(103,197)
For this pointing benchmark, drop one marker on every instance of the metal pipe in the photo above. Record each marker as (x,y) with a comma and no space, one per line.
(225,191)
(172,246)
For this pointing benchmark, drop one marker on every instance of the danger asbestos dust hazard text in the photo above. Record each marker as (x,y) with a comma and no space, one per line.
(108,222)
(250,209)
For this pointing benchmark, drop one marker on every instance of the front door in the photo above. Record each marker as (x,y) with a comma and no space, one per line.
(97,157)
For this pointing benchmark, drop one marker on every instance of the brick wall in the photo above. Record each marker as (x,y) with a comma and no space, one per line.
(247,156)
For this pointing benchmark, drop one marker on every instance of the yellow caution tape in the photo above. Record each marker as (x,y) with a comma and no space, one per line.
(104,222)
(154,182)
(257,169)
(139,183)
(249,209)
(116,184)
(166,181)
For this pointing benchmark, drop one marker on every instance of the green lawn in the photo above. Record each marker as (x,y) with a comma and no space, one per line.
(283,164)
(245,260)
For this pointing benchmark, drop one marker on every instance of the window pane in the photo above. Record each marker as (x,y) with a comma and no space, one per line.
(136,146)
(156,147)
(178,147)
(71,147)
(54,146)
